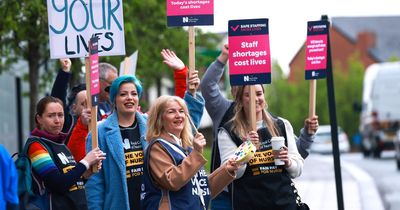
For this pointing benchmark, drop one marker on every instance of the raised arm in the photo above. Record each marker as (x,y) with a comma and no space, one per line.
(180,70)
(194,100)
(306,139)
(216,104)
(60,86)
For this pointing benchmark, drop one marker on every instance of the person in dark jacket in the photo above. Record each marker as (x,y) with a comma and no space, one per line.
(62,176)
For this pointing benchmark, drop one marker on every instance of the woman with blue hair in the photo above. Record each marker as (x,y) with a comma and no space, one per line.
(122,137)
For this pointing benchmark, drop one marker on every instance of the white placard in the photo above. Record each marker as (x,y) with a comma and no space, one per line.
(131,65)
(73,22)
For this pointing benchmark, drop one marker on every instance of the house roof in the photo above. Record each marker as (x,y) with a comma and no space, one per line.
(385,28)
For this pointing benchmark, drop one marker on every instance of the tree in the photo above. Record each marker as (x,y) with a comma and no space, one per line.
(146,30)
(24,35)
(290,100)
(348,90)
(287,100)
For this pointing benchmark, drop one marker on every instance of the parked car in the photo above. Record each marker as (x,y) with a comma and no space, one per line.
(323,140)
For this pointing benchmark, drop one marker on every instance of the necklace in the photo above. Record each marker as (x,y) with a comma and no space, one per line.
(177,140)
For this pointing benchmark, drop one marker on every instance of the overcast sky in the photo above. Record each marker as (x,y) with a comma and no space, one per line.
(288,18)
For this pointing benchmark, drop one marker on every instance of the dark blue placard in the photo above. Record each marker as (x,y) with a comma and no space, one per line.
(315,74)
(317,27)
(235,28)
(250,79)
(190,20)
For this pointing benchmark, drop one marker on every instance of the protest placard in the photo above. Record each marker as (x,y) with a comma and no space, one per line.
(190,12)
(316,50)
(73,23)
(128,65)
(316,59)
(249,52)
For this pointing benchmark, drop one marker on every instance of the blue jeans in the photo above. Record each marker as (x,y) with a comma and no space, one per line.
(222,202)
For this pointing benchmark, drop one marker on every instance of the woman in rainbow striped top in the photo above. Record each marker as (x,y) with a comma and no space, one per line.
(57,170)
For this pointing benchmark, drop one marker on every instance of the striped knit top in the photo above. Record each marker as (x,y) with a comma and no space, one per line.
(41,160)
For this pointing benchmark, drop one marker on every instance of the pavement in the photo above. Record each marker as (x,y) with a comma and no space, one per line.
(317,186)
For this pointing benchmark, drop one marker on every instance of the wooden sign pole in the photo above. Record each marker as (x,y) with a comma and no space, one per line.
(192,124)
(253,108)
(93,109)
(311,106)
(192,53)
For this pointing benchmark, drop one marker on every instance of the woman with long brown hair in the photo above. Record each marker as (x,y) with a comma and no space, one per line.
(268,184)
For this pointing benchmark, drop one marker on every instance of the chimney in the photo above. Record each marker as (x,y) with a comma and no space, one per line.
(366,40)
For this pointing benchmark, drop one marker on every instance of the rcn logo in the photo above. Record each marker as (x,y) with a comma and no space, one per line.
(314,74)
(246,78)
(63,158)
(185,19)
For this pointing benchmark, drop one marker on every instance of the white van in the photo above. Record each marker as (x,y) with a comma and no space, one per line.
(380,115)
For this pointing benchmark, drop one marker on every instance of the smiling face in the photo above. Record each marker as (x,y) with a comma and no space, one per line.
(174,118)
(260,100)
(52,119)
(127,99)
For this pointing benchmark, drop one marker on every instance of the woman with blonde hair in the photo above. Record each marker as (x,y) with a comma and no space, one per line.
(174,175)
(268,184)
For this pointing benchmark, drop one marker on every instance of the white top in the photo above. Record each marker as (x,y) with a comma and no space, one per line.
(227,149)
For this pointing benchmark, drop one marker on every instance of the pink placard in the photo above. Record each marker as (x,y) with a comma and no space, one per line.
(316,51)
(94,75)
(249,54)
(190,7)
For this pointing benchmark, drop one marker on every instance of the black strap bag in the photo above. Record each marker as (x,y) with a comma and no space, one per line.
(300,205)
